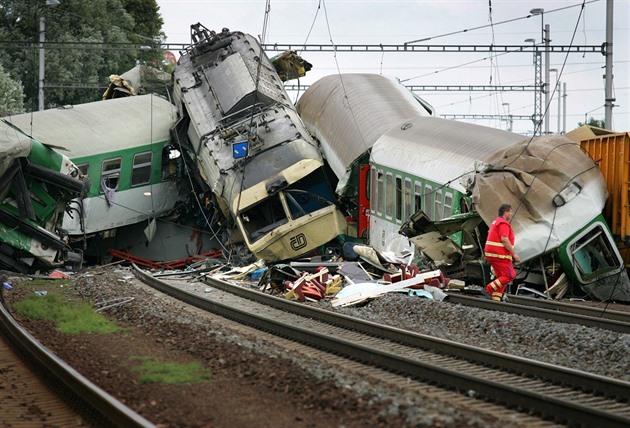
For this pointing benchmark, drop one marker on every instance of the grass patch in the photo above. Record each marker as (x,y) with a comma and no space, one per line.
(71,317)
(151,371)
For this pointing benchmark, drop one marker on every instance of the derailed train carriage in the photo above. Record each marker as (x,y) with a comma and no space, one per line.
(36,185)
(440,183)
(139,198)
(254,155)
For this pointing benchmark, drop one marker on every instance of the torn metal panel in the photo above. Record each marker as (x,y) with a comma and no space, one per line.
(37,183)
(290,65)
(433,237)
(553,187)
(13,144)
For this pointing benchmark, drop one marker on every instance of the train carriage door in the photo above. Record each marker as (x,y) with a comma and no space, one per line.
(366,193)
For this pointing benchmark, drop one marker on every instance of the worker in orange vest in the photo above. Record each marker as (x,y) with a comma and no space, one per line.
(499,252)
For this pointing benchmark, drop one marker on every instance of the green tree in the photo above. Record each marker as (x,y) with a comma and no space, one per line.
(86,42)
(147,29)
(11,94)
(594,122)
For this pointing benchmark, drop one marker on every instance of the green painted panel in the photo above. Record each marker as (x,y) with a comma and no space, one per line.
(96,161)
(15,238)
(44,156)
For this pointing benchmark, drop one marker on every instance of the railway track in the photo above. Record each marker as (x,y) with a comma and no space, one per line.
(551,392)
(39,389)
(554,311)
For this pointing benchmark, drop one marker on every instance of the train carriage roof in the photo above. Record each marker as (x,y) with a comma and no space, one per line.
(101,126)
(348,113)
(438,149)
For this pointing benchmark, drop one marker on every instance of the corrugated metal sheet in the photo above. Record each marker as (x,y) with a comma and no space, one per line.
(612,154)
(349,113)
(101,126)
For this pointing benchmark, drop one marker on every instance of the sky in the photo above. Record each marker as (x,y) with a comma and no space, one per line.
(445,22)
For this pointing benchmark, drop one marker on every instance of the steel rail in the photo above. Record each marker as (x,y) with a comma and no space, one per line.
(571,314)
(92,399)
(571,308)
(506,392)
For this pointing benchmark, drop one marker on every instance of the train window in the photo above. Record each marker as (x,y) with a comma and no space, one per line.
(380,192)
(170,160)
(389,195)
(141,173)
(417,196)
(428,201)
(84,168)
(110,174)
(399,200)
(407,197)
(448,204)
(302,202)
(262,218)
(593,254)
(437,200)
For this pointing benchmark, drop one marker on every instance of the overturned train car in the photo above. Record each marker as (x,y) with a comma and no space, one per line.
(425,177)
(260,164)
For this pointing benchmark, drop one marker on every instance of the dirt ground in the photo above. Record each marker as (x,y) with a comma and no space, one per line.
(246,389)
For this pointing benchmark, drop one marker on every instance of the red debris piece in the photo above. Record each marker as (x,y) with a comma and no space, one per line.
(173,264)
(308,286)
(57,274)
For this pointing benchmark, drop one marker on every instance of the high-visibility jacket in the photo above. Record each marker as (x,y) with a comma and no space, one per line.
(494,247)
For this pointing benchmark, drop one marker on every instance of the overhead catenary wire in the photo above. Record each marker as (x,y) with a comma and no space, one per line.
(345,92)
(466,30)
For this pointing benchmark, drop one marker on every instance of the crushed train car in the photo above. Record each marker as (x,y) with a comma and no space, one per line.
(139,201)
(36,185)
(394,160)
(262,167)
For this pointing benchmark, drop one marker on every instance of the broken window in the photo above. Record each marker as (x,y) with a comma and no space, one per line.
(593,254)
(373,200)
(301,202)
(141,173)
(307,195)
(170,160)
(84,168)
(110,173)
(260,219)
